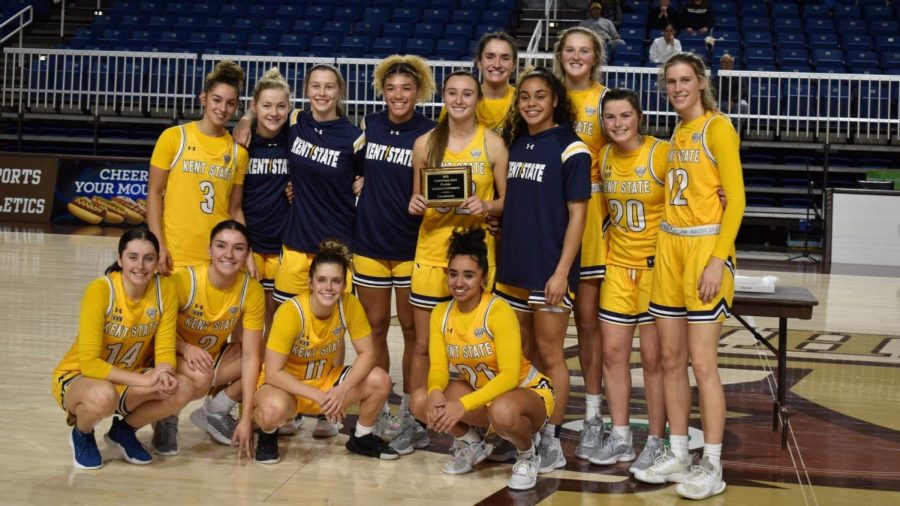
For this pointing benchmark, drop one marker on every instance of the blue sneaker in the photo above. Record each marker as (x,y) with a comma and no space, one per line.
(123,437)
(85,454)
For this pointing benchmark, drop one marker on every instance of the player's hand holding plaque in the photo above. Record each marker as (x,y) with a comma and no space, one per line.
(446,186)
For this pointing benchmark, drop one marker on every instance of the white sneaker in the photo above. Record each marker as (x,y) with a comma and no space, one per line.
(552,457)
(653,449)
(389,427)
(614,449)
(590,439)
(524,472)
(292,427)
(704,480)
(464,456)
(324,429)
(413,437)
(666,468)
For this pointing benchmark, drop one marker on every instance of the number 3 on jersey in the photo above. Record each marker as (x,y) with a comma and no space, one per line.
(677,183)
(209,196)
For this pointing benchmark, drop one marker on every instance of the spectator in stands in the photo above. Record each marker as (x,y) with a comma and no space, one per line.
(697,17)
(612,10)
(733,92)
(665,46)
(662,16)
(603,27)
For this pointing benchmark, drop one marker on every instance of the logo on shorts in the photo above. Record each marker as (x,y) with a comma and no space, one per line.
(479,332)
(151,312)
(640,171)
(233,310)
(651,261)
(476,153)
(696,137)
(590,110)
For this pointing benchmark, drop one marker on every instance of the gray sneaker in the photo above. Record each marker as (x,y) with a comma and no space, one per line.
(464,456)
(292,427)
(551,453)
(614,449)
(653,449)
(324,429)
(389,427)
(221,427)
(503,450)
(524,472)
(703,481)
(591,438)
(165,436)
(666,468)
(412,437)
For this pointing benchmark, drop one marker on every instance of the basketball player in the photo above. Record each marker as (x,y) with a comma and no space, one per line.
(548,187)
(385,232)
(123,359)
(578,55)
(633,169)
(457,140)
(478,334)
(693,281)
(301,373)
(197,174)
(214,299)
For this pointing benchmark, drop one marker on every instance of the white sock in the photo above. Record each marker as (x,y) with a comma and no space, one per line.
(679,446)
(591,406)
(471,436)
(220,403)
(527,454)
(624,432)
(362,430)
(404,405)
(714,453)
(652,438)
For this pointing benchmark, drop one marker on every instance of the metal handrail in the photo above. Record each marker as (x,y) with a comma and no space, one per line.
(20,17)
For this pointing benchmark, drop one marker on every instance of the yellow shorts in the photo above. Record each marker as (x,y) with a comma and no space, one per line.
(625,296)
(66,379)
(541,385)
(326,382)
(429,287)
(374,273)
(267,265)
(593,244)
(292,277)
(680,261)
(523,299)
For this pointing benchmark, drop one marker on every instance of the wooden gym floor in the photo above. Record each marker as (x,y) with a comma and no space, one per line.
(843,444)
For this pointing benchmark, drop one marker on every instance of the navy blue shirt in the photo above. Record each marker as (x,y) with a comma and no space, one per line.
(545,173)
(384,228)
(324,159)
(265,204)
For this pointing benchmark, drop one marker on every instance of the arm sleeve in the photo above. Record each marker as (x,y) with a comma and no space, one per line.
(255,307)
(166,148)
(655,57)
(357,323)
(504,327)
(576,169)
(285,327)
(725,146)
(164,347)
(243,162)
(90,330)
(439,368)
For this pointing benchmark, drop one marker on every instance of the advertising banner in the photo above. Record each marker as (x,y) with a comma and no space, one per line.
(101,191)
(26,187)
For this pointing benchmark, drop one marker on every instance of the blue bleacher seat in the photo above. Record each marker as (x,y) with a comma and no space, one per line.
(873,100)
(201,8)
(436,15)
(293,42)
(827,56)
(335,28)
(851,26)
(458,31)
(232,10)
(876,12)
(307,26)
(177,8)
(785,24)
(216,24)
(160,21)
(785,9)
(790,40)
(883,27)
(406,14)
(366,28)
(496,17)
(761,39)
(348,14)
(823,41)
(261,41)
(755,23)
(426,30)
(442,4)
(289,11)
(140,36)
(887,42)
(112,35)
(890,58)
(355,44)
(230,40)
(388,45)
(856,42)
(323,45)
(245,25)
(472,4)
(396,29)
(847,11)
(466,16)
(451,49)
(819,25)
(319,11)
(419,46)
(793,56)
(376,14)
(811,11)
(726,22)
(275,26)
(754,9)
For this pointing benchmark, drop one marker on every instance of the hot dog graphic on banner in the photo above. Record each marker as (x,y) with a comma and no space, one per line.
(101,191)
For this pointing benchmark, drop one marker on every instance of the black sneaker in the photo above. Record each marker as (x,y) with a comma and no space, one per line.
(267,448)
(371,445)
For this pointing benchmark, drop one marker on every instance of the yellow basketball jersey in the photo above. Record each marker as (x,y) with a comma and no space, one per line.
(491,112)
(313,345)
(588,126)
(202,171)
(634,191)
(692,171)
(207,315)
(114,331)
(438,223)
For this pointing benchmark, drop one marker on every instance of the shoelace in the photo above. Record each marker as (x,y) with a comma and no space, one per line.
(462,450)
(662,458)
(522,468)
(704,473)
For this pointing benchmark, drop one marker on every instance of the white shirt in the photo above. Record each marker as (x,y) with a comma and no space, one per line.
(660,50)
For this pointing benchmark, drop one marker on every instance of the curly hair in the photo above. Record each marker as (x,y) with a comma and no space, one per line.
(409,65)
(562,113)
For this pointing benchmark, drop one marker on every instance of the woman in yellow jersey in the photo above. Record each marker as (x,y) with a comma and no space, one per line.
(633,169)
(123,360)
(478,334)
(693,280)
(496,59)
(213,298)
(304,372)
(457,140)
(578,56)
(197,174)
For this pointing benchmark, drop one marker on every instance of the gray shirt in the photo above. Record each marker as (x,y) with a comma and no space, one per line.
(602,26)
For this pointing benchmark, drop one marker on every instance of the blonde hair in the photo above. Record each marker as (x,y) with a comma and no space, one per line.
(342,87)
(272,80)
(599,53)
(707,98)
(225,72)
(410,65)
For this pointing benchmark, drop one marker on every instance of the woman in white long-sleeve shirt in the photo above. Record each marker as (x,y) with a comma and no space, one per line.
(665,46)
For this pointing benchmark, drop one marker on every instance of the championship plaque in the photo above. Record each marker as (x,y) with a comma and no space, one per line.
(446,186)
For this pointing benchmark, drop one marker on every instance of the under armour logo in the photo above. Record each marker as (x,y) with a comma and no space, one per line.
(192,148)
(318,130)
(529,146)
(395,132)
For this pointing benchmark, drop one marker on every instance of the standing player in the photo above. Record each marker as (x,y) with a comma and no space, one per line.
(302,373)
(197,174)
(633,169)
(578,56)
(548,188)
(213,297)
(457,140)
(385,232)
(693,281)
(123,359)
(477,333)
